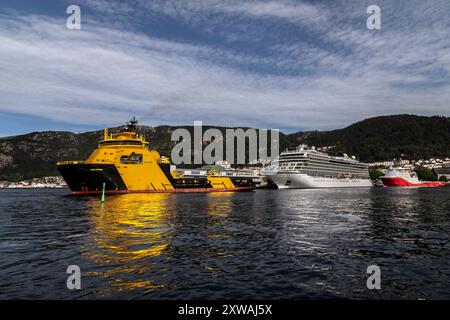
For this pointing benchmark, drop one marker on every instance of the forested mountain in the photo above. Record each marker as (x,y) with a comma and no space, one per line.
(386,137)
(380,138)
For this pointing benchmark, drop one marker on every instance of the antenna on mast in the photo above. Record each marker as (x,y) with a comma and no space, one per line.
(131,125)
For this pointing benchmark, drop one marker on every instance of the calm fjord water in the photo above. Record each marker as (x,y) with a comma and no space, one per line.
(289,244)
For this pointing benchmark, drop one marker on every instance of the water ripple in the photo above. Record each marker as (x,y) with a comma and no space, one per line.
(291,244)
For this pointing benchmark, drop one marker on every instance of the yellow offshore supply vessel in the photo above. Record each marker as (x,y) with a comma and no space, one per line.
(124,163)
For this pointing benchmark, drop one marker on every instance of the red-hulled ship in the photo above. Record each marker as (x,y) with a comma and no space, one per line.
(402,177)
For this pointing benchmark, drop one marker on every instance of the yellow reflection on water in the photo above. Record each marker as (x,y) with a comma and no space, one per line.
(127,233)
(219,203)
(219,207)
(129,236)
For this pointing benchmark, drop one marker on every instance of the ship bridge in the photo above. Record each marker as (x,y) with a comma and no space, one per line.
(121,139)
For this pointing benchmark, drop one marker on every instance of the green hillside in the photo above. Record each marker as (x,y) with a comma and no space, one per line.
(386,137)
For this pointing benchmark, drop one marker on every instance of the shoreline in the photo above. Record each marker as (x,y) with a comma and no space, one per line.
(49,182)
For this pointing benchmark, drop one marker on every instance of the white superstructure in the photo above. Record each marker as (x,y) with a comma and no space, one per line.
(308,168)
(402,173)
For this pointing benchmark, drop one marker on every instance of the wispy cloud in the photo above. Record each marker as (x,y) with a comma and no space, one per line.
(284,64)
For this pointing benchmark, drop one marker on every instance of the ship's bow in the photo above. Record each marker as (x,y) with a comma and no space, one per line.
(84,178)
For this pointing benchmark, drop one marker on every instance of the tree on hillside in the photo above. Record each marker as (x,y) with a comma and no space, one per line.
(425,174)
(375,173)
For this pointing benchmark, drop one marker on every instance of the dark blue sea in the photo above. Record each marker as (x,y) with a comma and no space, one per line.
(266,244)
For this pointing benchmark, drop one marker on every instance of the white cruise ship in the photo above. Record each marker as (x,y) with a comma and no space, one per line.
(308,168)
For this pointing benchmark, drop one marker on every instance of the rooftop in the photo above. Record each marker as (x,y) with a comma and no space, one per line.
(444,170)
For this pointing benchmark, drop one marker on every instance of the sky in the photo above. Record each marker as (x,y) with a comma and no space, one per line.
(288,65)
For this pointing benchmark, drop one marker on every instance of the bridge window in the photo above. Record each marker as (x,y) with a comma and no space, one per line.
(133,158)
(120,143)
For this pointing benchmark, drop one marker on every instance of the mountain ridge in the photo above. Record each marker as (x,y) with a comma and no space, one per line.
(35,154)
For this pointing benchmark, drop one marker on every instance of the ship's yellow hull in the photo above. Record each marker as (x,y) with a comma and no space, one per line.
(123,163)
(88,179)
